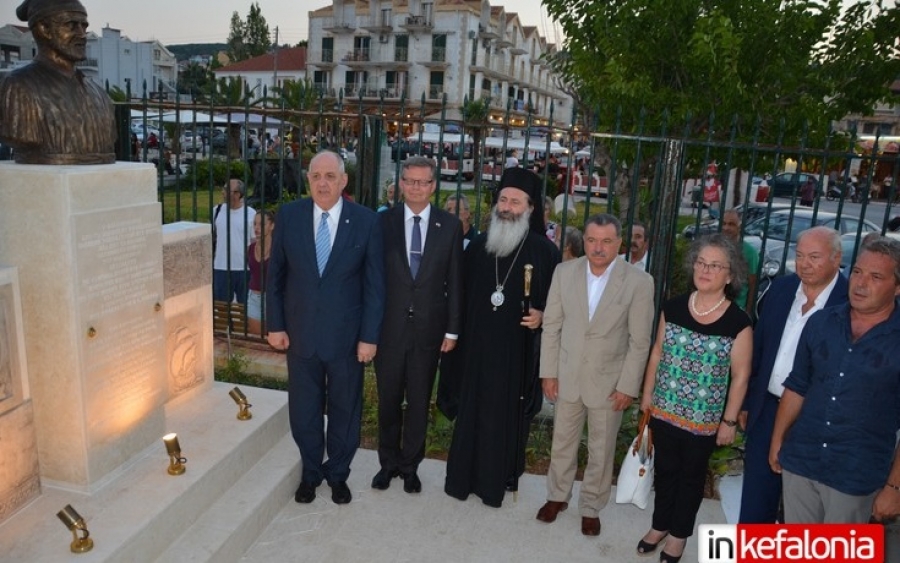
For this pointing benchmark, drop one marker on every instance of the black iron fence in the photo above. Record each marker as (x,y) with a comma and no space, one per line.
(671,182)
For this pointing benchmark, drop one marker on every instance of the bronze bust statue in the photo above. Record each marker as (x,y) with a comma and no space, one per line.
(50,112)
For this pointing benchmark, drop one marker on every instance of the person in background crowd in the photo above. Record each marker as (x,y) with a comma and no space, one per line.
(731,228)
(231,241)
(464,215)
(694,386)
(574,243)
(550,225)
(257,263)
(389,194)
(638,253)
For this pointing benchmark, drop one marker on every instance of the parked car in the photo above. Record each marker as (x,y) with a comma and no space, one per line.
(753,212)
(190,141)
(348,156)
(788,184)
(849,244)
(784,228)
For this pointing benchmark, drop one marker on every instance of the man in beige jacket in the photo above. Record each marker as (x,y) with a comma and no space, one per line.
(596,339)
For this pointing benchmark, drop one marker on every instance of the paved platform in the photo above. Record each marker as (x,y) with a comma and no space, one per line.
(393,526)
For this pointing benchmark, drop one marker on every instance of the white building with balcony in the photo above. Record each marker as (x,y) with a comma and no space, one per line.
(411,48)
(268,70)
(116,59)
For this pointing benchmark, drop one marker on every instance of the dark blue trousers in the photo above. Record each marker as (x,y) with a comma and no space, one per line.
(317,388)
(761,493)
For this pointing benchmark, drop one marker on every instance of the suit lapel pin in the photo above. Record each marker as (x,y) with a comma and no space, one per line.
(437,224)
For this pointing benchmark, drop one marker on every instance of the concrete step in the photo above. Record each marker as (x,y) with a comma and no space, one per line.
(142,510)
(232,524)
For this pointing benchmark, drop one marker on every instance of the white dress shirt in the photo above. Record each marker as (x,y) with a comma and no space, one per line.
(409,221)
(596,286)
(334,216)
(796,320)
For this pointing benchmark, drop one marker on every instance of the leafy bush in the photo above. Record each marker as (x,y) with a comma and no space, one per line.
(222,170)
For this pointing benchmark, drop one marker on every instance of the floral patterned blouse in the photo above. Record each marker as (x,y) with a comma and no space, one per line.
(695,367)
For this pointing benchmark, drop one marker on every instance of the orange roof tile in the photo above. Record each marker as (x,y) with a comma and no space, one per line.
(291,58)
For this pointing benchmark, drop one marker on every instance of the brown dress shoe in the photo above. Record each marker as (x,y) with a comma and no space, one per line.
(590,526)
(548,512)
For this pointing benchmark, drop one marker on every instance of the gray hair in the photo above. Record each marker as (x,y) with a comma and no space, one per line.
(574,241)
(419,162)
(239,184)
(830,235)
(885,246)
(603,219)
(736,262)
(463,201)
(337,157)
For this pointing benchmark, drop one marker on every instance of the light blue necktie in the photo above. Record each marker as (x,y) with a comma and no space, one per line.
(323,243)
(415,247)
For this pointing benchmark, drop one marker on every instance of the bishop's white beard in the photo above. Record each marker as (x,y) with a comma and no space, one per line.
(506,232)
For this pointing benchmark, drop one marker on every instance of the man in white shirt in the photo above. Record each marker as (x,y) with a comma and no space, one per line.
(512,160)
(596,340)
(786,308)
(638,254)
(232,229)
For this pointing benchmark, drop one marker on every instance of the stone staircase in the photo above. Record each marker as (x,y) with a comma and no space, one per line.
(239,476)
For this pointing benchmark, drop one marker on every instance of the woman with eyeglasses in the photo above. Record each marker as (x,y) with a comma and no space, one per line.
(694,386)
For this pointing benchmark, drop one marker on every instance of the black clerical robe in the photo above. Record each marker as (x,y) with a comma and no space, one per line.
(494,361)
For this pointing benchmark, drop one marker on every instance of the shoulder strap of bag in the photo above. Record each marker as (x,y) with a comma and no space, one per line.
(644,424)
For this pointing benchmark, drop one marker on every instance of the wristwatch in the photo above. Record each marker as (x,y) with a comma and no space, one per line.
(729,423)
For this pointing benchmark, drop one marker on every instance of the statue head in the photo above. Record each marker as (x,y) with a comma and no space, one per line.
(59,28)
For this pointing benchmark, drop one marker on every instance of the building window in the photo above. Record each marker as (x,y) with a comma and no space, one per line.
(436,85)
(439,48)
(401,48)
(328,49)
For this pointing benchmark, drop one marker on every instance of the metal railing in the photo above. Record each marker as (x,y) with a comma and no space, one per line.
(623,168)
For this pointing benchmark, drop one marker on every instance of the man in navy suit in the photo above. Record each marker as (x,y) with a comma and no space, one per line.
(422,318)
(325,300)
(787,306)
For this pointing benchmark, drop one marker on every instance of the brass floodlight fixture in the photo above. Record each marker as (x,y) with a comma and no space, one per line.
(176,462)
(238,396)
(75,523)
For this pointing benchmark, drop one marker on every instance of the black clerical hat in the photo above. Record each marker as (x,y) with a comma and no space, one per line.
(33,11)
(530,183)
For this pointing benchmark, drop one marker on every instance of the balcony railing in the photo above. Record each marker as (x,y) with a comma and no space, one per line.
(401,54)
(327,55)
(87,63)
(394,91)
(361,54)
(435,92)
(438,54)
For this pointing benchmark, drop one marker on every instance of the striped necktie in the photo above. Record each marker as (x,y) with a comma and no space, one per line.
(323,243)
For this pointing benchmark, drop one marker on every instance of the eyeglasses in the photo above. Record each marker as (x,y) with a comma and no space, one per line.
(417,183)
(713,267)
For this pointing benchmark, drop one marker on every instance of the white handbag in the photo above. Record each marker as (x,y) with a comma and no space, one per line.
(636,475)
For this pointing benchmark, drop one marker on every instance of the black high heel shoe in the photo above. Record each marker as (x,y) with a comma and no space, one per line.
(666,558)
(645,548)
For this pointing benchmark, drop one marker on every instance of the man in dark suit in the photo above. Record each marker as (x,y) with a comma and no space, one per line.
(423,260)
(787,306)
(325,300)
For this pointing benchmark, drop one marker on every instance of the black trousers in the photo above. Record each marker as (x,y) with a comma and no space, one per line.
(680,464)
(404,374)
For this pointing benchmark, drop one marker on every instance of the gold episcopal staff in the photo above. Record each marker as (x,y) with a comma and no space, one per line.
(520,422)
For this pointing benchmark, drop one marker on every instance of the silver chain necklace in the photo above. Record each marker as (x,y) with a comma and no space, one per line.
(497,298)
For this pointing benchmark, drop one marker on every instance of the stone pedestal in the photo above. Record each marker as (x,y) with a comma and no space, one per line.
(187,266)
(19,478)
(88,246)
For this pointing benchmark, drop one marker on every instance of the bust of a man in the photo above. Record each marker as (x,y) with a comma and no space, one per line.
(50,112)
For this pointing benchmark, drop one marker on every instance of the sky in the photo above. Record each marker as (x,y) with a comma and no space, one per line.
(174,22)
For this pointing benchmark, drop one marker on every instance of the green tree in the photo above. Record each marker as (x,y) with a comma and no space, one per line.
(236,45)
(249,37)
(256,32)
(797,60)
(475,115)
(195,79)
